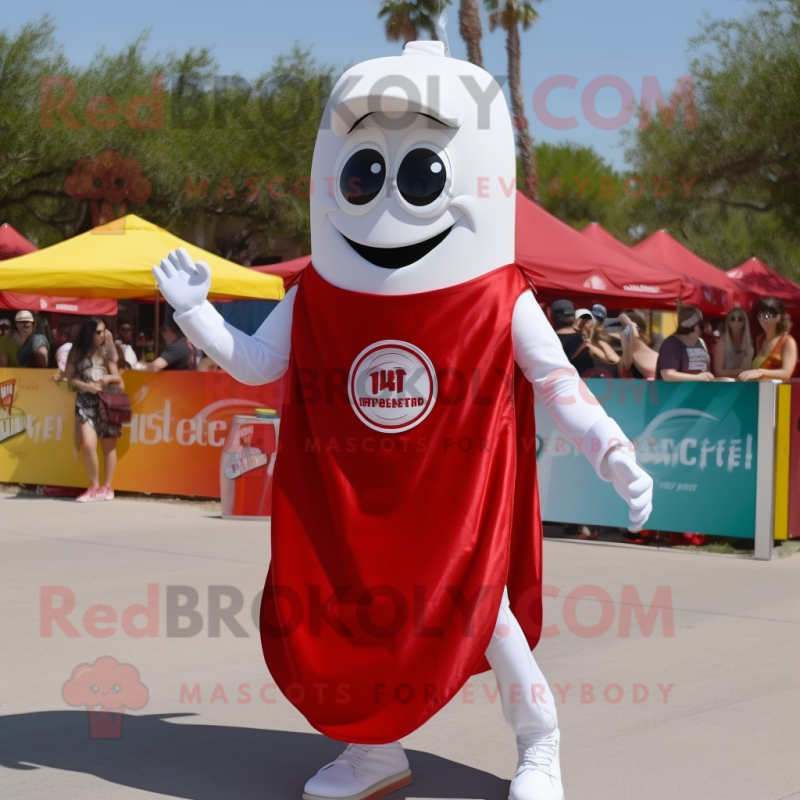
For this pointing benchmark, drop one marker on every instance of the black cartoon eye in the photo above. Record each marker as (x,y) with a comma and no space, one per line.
(119,183)
(362,177)
(94,688)
(116,688)
(422,177)
(97,183)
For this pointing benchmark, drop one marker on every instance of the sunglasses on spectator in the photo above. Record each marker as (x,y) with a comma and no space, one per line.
(737,319)
(767,314)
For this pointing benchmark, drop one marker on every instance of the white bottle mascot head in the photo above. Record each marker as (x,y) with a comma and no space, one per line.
(414,175)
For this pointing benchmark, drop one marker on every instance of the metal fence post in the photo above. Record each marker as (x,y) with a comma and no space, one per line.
(765,466)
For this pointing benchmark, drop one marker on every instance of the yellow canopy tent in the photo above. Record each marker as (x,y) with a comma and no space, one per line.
(116,261)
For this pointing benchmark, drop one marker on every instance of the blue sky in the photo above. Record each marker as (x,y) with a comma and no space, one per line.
(580,38)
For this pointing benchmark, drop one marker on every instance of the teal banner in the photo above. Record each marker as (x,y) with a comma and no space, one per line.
(698,441)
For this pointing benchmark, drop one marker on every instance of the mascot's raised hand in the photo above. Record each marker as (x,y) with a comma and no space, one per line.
(632,484)
(184,283)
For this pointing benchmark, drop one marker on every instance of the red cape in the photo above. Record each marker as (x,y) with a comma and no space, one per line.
(404,501)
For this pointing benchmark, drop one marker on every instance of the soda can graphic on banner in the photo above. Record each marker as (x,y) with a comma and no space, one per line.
(246,466)
(12,420)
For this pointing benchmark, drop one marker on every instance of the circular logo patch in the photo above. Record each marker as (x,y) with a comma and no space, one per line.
(392,386)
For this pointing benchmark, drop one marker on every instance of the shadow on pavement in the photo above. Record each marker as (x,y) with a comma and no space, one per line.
(209,762)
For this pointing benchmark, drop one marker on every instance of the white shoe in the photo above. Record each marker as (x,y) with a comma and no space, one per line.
(361,772)
(538,769)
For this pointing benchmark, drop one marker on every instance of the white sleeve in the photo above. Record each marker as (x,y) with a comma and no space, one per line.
(130,356)
(61,356)
(256,359)
(538,351)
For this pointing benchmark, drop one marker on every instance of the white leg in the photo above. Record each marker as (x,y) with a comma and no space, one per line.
(528,703)
(529,709)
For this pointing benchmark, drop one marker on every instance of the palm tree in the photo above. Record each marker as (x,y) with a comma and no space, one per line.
(469,25)
(510,15)
(406,20)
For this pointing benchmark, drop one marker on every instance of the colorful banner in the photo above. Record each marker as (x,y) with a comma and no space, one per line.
(171,445)
(699,442)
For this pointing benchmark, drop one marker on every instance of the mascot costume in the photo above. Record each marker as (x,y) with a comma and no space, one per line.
(406,535)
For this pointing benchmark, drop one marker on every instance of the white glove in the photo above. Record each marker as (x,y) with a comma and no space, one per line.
(183,283)
(632,484)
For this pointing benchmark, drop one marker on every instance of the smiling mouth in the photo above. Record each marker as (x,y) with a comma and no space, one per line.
(397,257)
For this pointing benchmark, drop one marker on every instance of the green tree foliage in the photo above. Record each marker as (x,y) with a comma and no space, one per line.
(744,153)
(223,147)
(579,186)
(407,20)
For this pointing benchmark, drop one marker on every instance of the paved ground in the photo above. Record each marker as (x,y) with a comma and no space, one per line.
(716,718)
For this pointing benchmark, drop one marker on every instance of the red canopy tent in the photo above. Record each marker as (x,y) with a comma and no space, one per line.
(13,244)
(755,277)
(713,292)
(693,289)
(563,263)
(290,271)
(597,233)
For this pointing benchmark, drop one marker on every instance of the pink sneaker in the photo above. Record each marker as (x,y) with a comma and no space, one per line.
(91,495)
(106,493)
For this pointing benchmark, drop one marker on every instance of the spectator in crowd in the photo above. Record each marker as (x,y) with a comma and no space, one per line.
(600,313)
(584,322)
(776,350)
(604,357)
(570,335)
(179,353)
(710,338)
(34,344)
(638,358)
(43,329)
(8,345)
(92,368)
(124,345)
(144,343)
(126,333)
(62,353)
(683,356)
(734,353)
